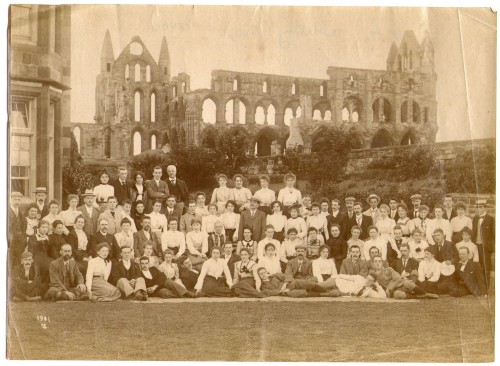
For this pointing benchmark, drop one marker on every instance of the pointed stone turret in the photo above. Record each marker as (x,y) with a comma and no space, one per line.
(427,53)
(392,58)
(164,59)
(107,55)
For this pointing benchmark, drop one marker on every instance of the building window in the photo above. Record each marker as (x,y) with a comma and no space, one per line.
(153,107)
(236,84)
(20,20)
(19,115)
(183,86)
(20,180)
(137,76)
(137,106)
(137,143)
(264,87)
(127,72)
(153,142)
(148,74)
(293,89)
(321,91)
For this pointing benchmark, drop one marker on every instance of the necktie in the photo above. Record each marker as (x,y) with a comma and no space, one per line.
(172,181)
(300,267)
(358,220)
(112,214)
(404,263)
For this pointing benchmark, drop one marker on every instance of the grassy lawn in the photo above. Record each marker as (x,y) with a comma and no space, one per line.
(444,330)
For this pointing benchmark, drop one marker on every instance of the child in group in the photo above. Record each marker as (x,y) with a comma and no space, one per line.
(298,223)
(317,221)
(268,239)
(314,242)
(399,239)
(355,240)
(207,222)
(305,209)
(288,246)
(170,269)
(417,245)
(248,243)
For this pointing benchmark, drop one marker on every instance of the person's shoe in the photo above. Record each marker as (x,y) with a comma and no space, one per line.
(190,295)
(83,297)
(137,296)
(63,296)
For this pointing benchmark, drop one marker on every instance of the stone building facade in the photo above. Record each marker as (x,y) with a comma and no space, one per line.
(39,97)
(140,107)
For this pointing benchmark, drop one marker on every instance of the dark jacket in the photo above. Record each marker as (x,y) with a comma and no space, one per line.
(338,248)
(158,278)
(179,190)
(257,224)
(366,222)
(231,262)
(56,271)
(472,277)
(411,267)
(72,239)
(340,220)
(487,230)
(122,192)
(118,271)
(292,267)
(188,277)
(446,253)
(97,238)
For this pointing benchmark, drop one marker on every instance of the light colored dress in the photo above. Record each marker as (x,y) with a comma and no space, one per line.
(98,271)
(102,192)
(220,196)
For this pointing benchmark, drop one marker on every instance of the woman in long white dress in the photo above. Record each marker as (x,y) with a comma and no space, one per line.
(222,194)
(98,271)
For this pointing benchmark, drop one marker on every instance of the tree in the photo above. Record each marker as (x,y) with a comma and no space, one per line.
(233,149)
(76,175)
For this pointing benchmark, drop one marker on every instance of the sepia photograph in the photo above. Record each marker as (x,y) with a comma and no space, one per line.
(250,183)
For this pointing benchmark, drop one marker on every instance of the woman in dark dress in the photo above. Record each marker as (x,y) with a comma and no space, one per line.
(39,246)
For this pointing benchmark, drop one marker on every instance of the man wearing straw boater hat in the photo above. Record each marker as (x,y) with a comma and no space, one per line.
(89,213)
(483,234)
(40,200)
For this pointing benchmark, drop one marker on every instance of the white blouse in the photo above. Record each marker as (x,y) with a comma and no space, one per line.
(230,220)
(82,239)
(103,191)
(288,248)
(319,223)
(261,252)
(458,223)
(266,196)
(385,227)
(97,267)
(322,266)
(68,216)
(125,239)
(208,223)
(215,268)
(242,195)
(299,224)
(272,265)
(158,221)
(140,192)
(197,243)
(413,249)
(289,196)
(173,239)
(277,220)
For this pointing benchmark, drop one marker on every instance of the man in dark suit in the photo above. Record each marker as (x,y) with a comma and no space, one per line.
(16,230)
(89,213)
(469,278)
(299,268)
(483,234)
(126,277)
(449,210)
(230,258)
(123,189)
(406,266)
(146,235)
(416,200)
(188,275)
(26,282)
(336,217)
(41,202)
(178,188)
(156,189)
(393,205)
(444,250)
(102,236)
(363,221)
(217,239)
(172,209)
(255,219)
(66,280)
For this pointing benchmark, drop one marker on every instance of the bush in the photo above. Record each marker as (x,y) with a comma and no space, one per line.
(76,175)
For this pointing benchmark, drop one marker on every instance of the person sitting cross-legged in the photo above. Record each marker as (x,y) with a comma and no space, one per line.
(429,271)
(245,276)
(66,280)
(211,280)
(126,277)
(406,266)
(158,285)
(188,274)
(395,286)
(26,281)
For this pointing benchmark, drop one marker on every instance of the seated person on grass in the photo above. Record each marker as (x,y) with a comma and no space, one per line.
(126,277)
(275,285)
(429,271)
(271,260)
(406,266)
(353,264)
(26,281)
(187,273)
(468,276)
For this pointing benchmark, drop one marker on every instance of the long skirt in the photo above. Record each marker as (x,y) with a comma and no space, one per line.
(215,287)
(246,288)
(104,291)
(229,235)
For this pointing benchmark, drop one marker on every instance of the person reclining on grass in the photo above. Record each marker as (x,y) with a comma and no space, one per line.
(187,273)
(27,284)
(157,284)
(395,286)
(126,277)
(374,252)
(371,287)
(275,285)
(66,280)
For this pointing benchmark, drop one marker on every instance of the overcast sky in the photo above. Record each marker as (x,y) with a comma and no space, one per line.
(302,42)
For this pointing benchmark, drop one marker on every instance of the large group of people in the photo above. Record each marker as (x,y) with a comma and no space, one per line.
(153,238)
